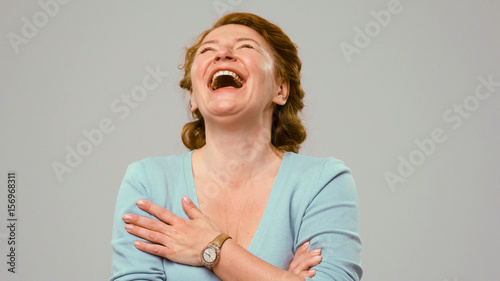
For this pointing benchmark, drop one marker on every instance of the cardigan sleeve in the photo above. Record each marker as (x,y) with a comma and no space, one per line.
(330,223)
(129,263)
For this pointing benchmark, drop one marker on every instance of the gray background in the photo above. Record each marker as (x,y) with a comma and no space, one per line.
(440,224)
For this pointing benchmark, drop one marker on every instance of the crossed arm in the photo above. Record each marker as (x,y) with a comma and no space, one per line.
(327,217)
(181,240)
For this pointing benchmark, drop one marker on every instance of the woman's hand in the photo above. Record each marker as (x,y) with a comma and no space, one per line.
(177,239)
(304,260)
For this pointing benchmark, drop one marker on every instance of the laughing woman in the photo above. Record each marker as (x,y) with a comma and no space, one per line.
(241,205)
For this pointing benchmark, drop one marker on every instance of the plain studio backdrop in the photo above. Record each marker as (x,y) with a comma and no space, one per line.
(405,92)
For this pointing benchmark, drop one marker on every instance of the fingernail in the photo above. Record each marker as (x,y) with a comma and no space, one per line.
(316,252)
(186,199)
(140,202)
(306,244)
(126,217)
(129,227)
(136,243)
(312,272)
(318,258)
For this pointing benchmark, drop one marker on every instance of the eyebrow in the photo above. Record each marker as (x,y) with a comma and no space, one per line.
(237,40)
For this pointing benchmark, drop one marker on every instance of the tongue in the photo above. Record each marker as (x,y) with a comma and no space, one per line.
(224,81)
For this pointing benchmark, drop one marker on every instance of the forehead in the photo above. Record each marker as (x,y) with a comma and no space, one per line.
(233,32)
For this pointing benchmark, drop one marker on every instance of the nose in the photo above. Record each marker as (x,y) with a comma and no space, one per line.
(224,54)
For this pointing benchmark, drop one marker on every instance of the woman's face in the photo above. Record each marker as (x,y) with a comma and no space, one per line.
(233,75)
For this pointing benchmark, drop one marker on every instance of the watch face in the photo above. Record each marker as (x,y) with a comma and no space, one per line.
(209,255)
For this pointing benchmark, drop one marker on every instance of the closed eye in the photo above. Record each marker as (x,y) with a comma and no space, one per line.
(247,46)
(206,49)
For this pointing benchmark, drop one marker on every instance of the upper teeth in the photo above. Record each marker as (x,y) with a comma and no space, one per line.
(227,72)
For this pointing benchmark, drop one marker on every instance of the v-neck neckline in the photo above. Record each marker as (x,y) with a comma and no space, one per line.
(273,196)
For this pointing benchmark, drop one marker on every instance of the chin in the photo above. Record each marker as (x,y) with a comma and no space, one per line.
(224,108)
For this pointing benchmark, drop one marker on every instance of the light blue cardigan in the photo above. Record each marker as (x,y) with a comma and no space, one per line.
(312,199)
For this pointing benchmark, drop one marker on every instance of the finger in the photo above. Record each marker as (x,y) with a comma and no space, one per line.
(155,249)
(157,211)
(146,234)
(302,249)
(190,208)
(311,259)
(295,262)
(144,222)
(308,273)
(307,260)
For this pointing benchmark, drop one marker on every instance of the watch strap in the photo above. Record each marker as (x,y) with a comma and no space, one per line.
(220,239)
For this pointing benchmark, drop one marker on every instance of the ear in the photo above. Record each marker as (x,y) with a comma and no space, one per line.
(192,102)
(282,94)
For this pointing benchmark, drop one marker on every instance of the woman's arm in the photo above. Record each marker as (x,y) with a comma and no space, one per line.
(250,267)
(127,262)
(181,240)
(330,222)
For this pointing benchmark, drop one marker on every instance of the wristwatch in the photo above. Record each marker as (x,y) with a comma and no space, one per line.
(211,253)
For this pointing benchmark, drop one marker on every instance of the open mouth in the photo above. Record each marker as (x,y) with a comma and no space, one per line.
(226,78)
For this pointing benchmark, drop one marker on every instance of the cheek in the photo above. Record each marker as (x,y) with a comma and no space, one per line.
(268,64)
(197,71)
(261,68)
(194,72)
(268,68)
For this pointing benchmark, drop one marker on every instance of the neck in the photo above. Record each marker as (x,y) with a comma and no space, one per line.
(235,156)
